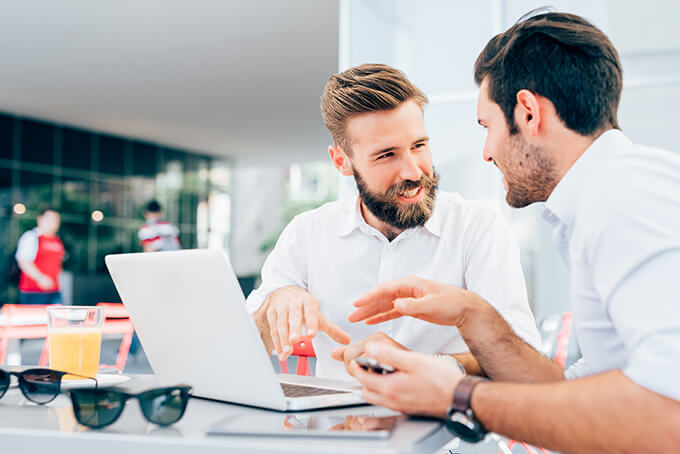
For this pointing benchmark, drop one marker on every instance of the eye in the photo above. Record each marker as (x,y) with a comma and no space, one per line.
(384,155)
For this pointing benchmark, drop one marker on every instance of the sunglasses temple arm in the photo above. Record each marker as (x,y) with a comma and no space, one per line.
(96,382)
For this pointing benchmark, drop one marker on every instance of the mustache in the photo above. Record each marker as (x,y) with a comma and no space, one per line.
(426,182)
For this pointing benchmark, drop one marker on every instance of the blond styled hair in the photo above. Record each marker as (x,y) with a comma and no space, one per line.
(365,88)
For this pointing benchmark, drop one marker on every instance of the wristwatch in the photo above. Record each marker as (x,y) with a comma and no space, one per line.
(450,358)
(460,419)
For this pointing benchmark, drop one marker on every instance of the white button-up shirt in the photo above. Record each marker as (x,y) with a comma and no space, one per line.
(616,222)
(337,257)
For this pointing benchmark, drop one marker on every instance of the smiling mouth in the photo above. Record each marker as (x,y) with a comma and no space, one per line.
(411,193)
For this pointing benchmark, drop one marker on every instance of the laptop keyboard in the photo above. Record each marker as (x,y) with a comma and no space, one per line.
(290,390)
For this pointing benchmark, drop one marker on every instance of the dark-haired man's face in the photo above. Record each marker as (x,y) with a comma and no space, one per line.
(392,165)
(529,174)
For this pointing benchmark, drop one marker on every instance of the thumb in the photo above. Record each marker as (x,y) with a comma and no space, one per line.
(408,306)
(388,354)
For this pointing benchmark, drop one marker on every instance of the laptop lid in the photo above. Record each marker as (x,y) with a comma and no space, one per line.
(190,316)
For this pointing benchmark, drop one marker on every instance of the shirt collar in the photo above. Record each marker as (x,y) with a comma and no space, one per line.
(562,201)
(353,219)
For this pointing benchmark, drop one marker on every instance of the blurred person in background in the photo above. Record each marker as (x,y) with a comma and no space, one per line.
(157,234)
(549,94)
(40,254)
(399,224)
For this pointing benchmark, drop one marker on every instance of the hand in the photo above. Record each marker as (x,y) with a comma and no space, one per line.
(421,385)
(419,298)
(365,423)
(45,282)
(347,354)
(288,309)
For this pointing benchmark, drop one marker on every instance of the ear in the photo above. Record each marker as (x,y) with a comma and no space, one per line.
(528,112)
(340,160)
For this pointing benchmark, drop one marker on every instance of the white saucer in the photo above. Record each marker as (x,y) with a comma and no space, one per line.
(103,380)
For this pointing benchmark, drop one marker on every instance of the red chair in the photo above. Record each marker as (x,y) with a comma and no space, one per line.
(23,322)
(117,321)
(303,349)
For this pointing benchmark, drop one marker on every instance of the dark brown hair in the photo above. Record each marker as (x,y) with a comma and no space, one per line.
(366,88)
(562,57)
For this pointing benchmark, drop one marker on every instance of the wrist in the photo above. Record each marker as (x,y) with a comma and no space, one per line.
(474,313)
(461,419)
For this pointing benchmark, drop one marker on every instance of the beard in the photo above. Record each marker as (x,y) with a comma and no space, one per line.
(530,174)
(389,210)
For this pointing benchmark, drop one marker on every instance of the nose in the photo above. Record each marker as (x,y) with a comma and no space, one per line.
(486,154)
(410,168)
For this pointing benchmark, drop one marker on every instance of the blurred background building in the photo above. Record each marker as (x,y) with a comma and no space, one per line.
(212,107)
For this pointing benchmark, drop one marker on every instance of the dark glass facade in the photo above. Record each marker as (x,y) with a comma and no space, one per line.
(78,172)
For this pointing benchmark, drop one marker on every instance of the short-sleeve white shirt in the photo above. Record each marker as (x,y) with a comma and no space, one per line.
(337,257)
(616,222)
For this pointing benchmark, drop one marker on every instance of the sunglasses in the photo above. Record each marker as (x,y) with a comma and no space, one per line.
(96,408)
(37,385)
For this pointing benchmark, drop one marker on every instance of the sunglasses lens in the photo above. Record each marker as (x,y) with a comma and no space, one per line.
(97,408)
(164,406)
(4,383)
(40,385)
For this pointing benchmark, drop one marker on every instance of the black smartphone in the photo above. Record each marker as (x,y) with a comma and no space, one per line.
(368,363)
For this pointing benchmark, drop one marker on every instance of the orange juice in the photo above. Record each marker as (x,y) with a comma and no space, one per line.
(75,349)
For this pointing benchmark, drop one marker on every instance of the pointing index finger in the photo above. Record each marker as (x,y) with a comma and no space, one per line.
(334,331)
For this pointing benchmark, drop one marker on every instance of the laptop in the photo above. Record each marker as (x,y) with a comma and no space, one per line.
(191,318)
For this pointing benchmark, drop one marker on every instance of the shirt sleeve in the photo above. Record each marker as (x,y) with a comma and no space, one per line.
(286,265)
(27,249)
(578,370)
(633,256)
(493,271)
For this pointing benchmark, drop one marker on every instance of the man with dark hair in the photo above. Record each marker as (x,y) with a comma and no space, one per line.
(157,234)
(40,254)
(549,92)
(398,225)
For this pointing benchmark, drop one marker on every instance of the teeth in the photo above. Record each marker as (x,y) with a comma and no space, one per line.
(411,193)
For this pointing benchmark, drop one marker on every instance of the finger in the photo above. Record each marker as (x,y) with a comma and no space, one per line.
(334,331)
(338,353)
(282,328)
(370,310)
(402,360)
(376,398)
(311,315)
(406,287)
(294,325)
(369,380)
(271,319)
(412,306)
(352,352)
(385,317)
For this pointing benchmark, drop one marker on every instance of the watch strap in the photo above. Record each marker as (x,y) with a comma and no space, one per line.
(463,393)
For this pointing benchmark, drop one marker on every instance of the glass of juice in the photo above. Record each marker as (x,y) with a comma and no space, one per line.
(74,336)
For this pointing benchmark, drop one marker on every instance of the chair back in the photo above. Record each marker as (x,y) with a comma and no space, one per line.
(23,322)
(304,350)
(117,321)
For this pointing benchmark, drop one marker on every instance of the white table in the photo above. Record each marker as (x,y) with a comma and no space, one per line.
(29,428)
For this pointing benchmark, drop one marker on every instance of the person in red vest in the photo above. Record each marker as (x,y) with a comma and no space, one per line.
(40,254)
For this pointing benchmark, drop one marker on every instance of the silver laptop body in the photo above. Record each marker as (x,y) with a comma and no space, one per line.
(191,318)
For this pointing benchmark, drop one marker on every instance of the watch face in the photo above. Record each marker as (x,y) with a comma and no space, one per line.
(465,428)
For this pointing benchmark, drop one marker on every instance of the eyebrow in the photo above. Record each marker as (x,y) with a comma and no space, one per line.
(386,150)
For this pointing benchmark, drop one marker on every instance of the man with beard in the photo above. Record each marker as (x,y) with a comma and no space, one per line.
(549,93)
(398,226)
